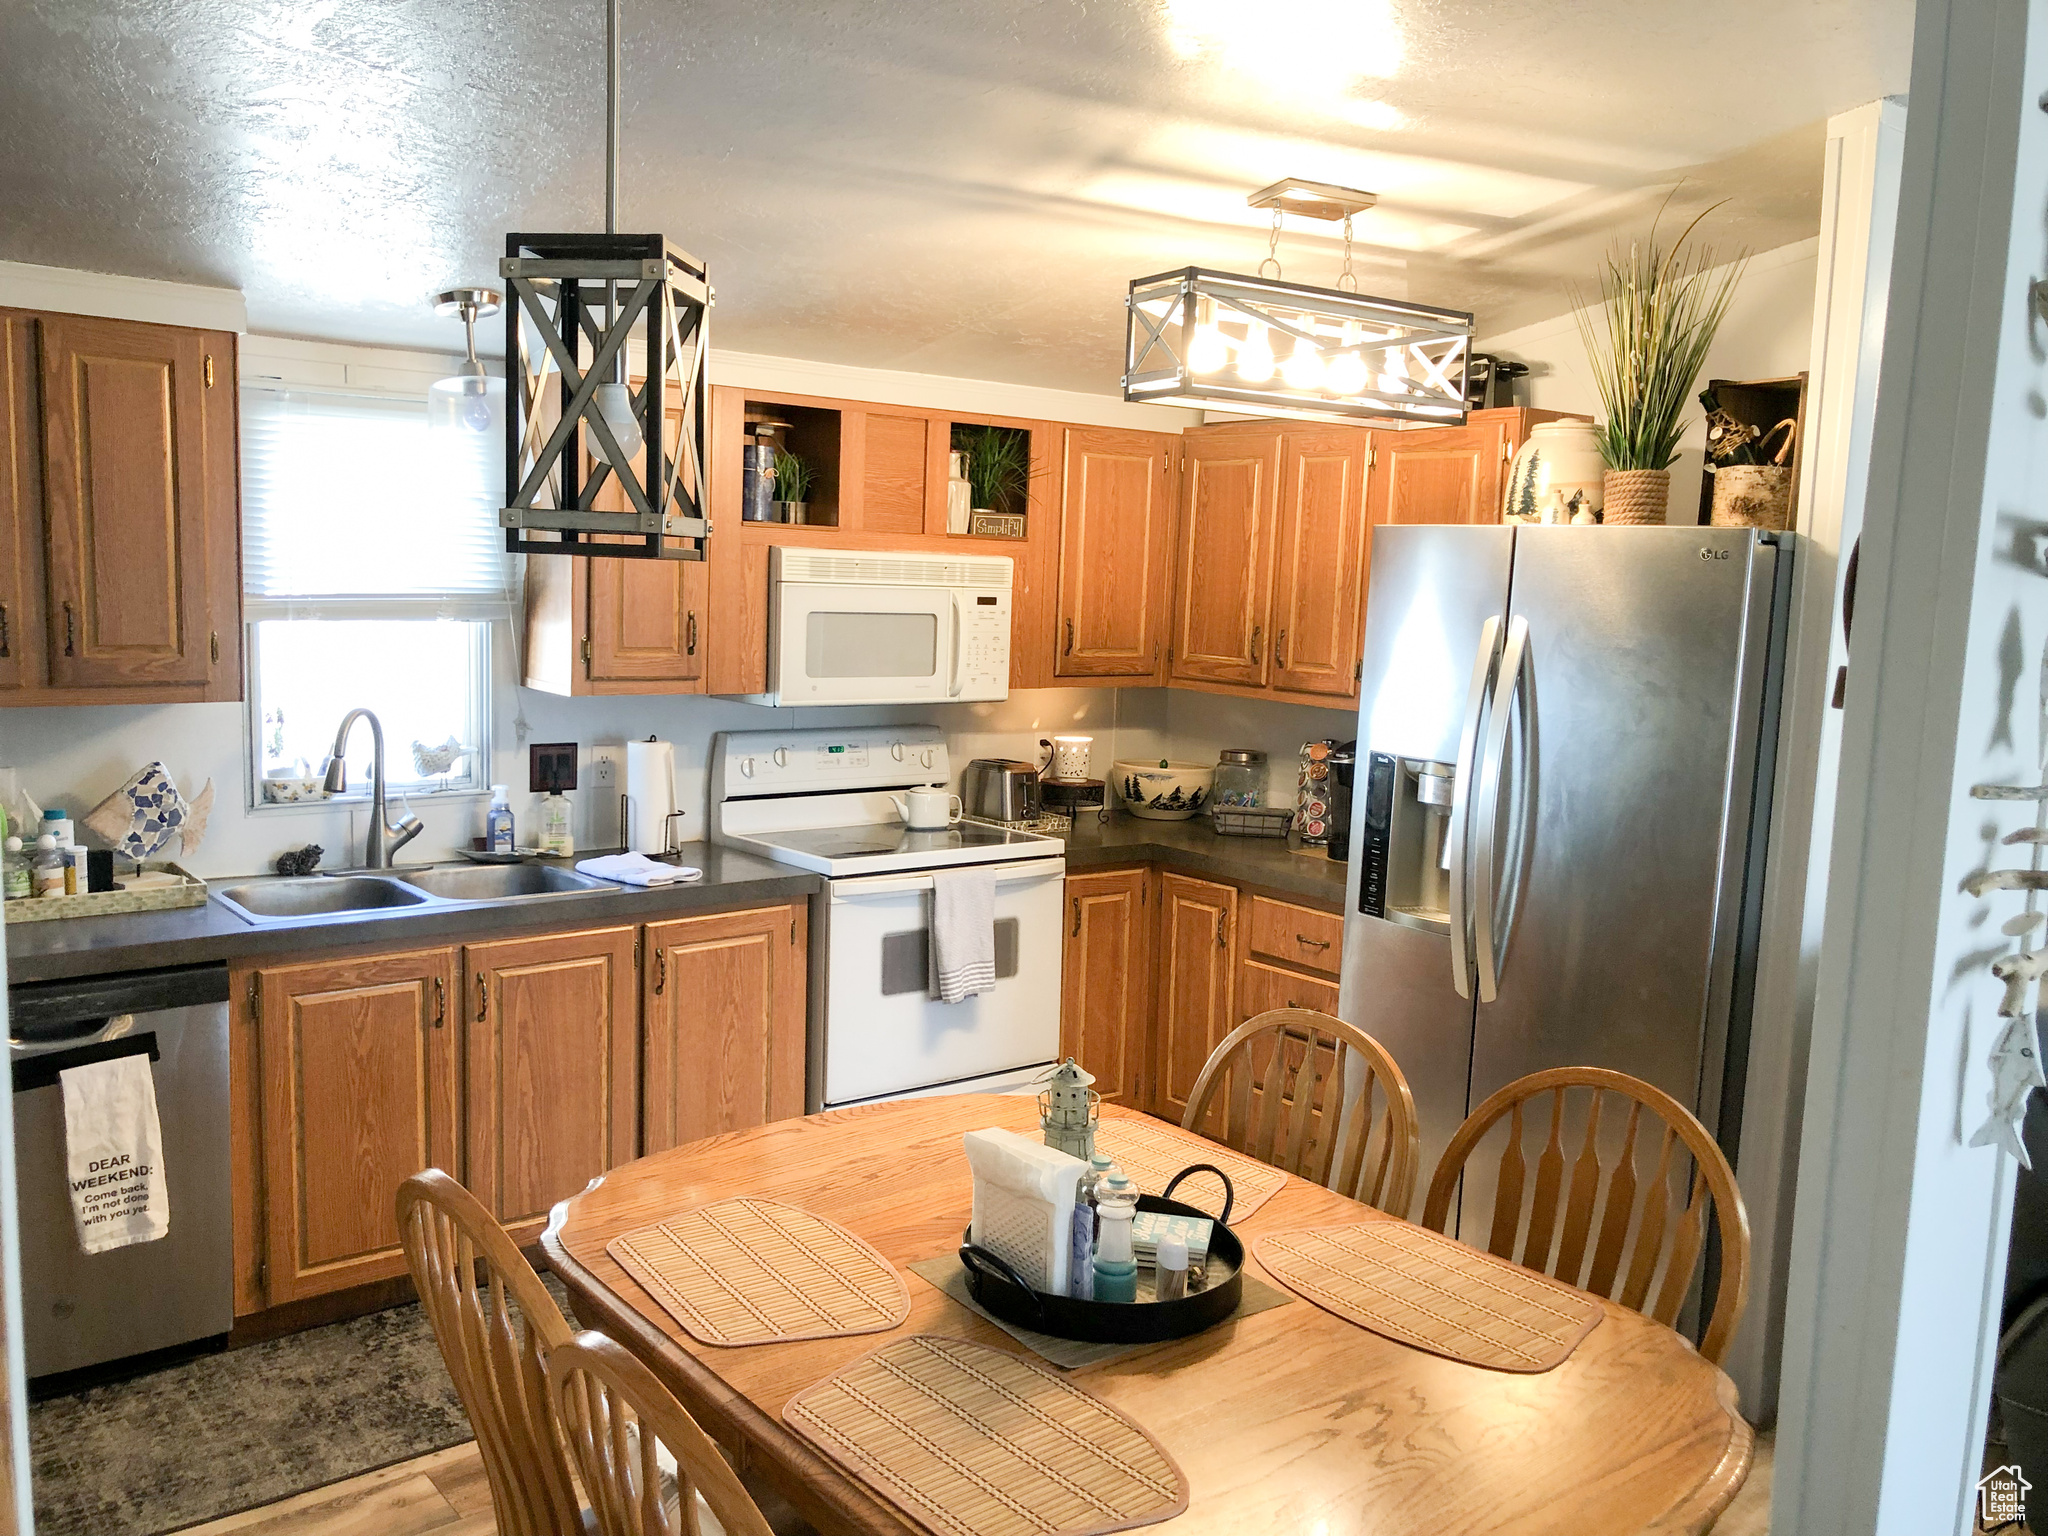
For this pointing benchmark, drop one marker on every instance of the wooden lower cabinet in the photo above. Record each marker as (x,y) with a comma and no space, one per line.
(1106,981)
(553,1073)
(360,1090)
(1197,983)
(515,1064)
(723,996)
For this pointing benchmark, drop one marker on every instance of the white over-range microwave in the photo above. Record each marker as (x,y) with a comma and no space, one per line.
(880,628)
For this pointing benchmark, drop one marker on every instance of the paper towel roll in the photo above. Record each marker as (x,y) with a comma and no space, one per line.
(650,795)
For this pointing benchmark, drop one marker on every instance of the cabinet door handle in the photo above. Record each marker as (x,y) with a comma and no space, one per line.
(5,648)
(70,632)
(1219,928)
(1255,642)
(1280,650)
(1070,637)
(660,970)
(440,1002)
(1077,918)
(690,646)
(213,645)
(483,997)
(1304,940)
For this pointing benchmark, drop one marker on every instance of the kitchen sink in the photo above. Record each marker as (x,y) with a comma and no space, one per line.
(318,896)
(498,882)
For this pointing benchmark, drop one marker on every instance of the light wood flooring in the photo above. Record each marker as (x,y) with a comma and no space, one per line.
(445,1495)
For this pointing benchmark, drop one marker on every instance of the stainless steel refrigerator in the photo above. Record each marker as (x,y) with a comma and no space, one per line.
(1565,742)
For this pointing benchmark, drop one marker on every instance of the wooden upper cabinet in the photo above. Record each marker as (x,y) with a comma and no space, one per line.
(1115,535)
(1106,980)
(553,1075)
(127,414)
(1442,474)
(1197,984)
(21,504)
(360,1092)
(894,473)
(1321,539)
(723,1000)
(646,622)
(1223,557)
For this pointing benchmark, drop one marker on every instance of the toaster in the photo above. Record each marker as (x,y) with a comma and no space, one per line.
(998,789)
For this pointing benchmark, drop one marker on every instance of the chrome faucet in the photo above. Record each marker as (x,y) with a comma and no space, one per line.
(385,837)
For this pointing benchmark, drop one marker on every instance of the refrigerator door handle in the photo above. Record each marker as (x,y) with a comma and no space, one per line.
(1514,661)
(1461,801)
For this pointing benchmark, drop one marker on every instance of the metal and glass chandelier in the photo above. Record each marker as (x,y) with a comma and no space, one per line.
(1262,346)
(628,299)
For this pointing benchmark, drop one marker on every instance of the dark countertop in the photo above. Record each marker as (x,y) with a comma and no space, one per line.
(137,941)
(1264,861)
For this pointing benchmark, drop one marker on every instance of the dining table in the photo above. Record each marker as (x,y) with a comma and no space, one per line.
(1289,1419)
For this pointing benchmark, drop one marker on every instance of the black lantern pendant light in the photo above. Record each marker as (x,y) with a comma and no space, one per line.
(618,295)
(1261,346)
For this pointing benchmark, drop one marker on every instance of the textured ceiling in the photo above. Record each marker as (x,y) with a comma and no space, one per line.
(937,185)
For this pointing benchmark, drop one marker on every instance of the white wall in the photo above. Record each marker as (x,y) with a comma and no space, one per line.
(1767,334)
(1199,725)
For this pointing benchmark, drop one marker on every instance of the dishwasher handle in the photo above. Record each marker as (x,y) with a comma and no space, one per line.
(40,1071)
(48,1012)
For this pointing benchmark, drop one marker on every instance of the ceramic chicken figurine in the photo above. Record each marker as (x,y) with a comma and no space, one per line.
(435,762)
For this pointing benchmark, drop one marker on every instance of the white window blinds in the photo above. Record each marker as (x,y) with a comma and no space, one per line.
(350,503)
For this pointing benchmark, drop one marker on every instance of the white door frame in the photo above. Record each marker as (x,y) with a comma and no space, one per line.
(1899,1236)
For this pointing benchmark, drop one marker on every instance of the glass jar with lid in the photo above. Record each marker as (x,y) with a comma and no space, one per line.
(1240,777)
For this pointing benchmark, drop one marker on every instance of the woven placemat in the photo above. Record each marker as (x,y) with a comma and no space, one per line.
(971,1441)
(1424,1289)
(1152,1152)
(946,1273)
(746,1271)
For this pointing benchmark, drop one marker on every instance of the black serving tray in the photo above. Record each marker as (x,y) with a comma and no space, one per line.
(998,1288)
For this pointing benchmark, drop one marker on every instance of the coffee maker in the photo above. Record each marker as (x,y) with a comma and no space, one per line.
(1406,851)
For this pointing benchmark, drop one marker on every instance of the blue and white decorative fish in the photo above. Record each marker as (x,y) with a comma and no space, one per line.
(144,816)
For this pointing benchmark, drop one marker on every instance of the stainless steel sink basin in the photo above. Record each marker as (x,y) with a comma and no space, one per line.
(498,882)
(317,896)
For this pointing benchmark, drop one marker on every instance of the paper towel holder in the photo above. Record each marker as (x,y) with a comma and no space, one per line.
(671,828)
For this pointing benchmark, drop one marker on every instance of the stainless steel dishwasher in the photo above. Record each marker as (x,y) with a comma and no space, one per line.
(78,1310)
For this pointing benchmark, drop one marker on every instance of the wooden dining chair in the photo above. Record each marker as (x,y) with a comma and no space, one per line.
(1559,1237)
(1289,1104)
(619,1419)
(496,1341)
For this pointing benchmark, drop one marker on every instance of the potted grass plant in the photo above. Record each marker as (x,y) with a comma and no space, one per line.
(1647,341)
(998,466)
(793,481)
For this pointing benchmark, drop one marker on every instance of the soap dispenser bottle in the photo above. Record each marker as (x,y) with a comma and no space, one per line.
(498,823)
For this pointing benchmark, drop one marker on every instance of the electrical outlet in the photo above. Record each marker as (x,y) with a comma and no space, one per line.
(604,770)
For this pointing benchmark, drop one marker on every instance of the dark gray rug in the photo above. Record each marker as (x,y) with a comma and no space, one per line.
(223,1433)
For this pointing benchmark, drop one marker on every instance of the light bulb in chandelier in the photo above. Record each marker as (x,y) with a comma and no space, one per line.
(615,404)
(1347,374)
(1304,369)
(1207,350)
(1255,357)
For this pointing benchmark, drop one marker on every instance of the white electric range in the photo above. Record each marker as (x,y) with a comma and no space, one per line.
(821,800)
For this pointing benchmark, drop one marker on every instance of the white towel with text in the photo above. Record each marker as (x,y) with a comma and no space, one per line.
(114,1147)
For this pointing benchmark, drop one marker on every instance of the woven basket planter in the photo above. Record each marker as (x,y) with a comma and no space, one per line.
(1635,496)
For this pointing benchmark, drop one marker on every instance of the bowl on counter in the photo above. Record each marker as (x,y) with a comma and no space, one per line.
(1173,793)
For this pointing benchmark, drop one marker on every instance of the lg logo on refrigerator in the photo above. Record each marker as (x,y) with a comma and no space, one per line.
(1714,554)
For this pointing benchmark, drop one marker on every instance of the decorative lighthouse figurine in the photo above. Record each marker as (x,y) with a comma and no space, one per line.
(1068,1110)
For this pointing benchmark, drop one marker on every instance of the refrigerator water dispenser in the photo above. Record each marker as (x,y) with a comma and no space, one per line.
(1406,845)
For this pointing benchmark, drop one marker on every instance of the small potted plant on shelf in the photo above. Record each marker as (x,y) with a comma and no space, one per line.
(998,471)
(793,481)
(1658,312)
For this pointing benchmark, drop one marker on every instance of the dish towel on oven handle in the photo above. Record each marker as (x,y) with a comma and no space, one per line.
(113,1146)
(963,935)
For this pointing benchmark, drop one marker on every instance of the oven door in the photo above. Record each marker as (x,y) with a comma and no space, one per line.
(857,644)
(885,1036)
